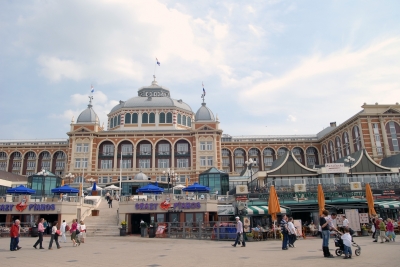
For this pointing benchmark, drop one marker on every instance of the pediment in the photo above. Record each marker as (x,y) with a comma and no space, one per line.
(391,111)
(82,130)
(205,128)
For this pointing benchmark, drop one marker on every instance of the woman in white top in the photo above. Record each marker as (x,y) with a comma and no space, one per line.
(54,235)
(83,231)
(292,232)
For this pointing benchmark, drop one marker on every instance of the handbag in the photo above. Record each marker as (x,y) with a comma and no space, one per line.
(58,232)
(77,231)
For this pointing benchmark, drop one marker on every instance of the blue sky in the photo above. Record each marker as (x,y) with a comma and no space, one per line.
(269,67)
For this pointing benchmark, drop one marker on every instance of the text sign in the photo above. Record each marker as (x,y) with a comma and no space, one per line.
(335,168)
(31,207)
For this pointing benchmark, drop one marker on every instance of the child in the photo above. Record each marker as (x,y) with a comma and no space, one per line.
(346,237)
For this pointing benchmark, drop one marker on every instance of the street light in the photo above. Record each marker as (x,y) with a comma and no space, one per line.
(250,164)
(170,174)
(69,176)
(350,160)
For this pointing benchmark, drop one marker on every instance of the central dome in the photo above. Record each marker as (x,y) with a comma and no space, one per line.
(152,96)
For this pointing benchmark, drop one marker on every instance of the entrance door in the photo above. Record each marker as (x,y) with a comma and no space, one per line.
(135,221)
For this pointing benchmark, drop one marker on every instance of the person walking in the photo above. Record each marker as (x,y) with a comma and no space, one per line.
(390,230)
(14,233)
(107,196)
(324,223)
(40,233)
(63,230)
(110,199)
(83,231)
(239,232)
(346,237)
(382,231)
(284,232)
(291,232)
(54,235)
(73,229)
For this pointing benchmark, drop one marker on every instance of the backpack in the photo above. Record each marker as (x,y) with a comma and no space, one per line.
(67,227)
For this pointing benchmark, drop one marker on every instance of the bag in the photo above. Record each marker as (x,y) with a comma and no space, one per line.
(77,232)
(67,227)
(58,232)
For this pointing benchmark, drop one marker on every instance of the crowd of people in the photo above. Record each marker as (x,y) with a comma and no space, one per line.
(77,232)
(383,229)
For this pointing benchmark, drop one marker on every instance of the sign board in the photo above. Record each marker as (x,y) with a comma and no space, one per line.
(364,218)
(246,224)
(339,219)
(335,168)
(242,189)
(354,219)
(226,210)
(241,197)
(298,226)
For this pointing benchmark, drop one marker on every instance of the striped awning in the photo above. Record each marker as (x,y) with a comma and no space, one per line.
(389,204)
(259,210)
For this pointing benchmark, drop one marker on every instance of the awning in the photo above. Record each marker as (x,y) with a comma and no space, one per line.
(259,210)
(389,204)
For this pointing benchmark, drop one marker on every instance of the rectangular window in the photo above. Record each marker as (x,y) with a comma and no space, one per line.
(202,145)
(210,161)
(145,149)
(239,161)
(85,148)
(30,173)
(84,163)
(225,162)
(310,160)
(3,165)
(126,149)
(105,180)
(144,163)
(377,139)
(210,145)
(31,165)
(393,133)
(108,150)
(182,179)
(126,164)
(183,163)
(183,148)
(60,165)
(268,161)
(77,163)
(163,149)
(203,162)
(78,148)
(163,163)
(106,164)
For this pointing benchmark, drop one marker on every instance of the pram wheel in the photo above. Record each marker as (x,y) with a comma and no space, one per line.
(339,252)
(357,252)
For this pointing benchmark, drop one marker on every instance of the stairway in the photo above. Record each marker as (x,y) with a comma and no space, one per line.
(106,224)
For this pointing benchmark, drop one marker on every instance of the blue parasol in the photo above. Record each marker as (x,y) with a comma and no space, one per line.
(150,189)
(196,188)
(21,190)
(65,189)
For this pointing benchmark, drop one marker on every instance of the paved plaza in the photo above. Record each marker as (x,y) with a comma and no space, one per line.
(136,251)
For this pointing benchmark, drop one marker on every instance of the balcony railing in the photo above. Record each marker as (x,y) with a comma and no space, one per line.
(17,158)
(16,168)
(182,154)
(30,167)
(60,167)
(106,155)
(31,158)
(125,155)
(143,154)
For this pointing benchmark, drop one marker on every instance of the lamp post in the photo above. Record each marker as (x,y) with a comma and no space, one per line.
(69,176)
(350,160)
(170,174)
(250,164)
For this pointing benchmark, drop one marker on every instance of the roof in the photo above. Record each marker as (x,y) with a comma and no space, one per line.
(289,165)
(392,161)
(213,170)
(364,163)
(141,177)
(325,132)
(204,114)
(88,116)
(8,176)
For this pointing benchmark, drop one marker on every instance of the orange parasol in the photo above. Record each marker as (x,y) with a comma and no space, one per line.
(370,199)
(273,203)
(321,199)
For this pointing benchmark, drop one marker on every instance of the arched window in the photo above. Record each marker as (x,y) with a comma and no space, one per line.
(331,152)
(115,122)
(356,138)
(189,122)
(282,151)
(119,119)
(325,153)
(128,118)
(346,144)
(134,118)
(184,120)
(162,117)
(169,117)
(111,123)
(393,133)
(312,157)
(145,118)
(179,119)
(152,118)
(338,148)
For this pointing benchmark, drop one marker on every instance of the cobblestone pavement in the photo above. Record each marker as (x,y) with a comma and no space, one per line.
(136,251)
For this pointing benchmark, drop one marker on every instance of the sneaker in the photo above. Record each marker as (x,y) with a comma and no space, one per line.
(233,245)
(346,257)
(374,241)
(330,256)
(285,249)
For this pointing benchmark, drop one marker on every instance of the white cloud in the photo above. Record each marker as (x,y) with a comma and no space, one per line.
(256,30)
(291,118)
(56,69)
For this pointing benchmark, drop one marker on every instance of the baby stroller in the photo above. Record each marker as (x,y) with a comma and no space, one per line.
(340,246)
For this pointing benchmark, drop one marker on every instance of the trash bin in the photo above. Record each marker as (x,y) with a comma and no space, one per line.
(34,232)
(143,231)
(122,231)
(152,232)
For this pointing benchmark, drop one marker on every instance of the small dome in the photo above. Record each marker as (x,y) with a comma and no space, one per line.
(88,116)
(204,114)
(140,177)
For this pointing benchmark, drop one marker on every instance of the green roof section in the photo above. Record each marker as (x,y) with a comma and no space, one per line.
(364,164)
(213,170)
(287,165)
(391,162)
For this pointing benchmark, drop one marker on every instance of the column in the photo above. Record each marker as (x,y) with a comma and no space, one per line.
(115,165)
(361,134)
(153,157)
(350,134)
(172,157)
(372,136)
(387,152)
(134,158)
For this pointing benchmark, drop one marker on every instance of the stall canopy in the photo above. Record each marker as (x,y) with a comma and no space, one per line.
(389,204)
(196,188)
(21,190)
(260,210)
(112,187)
(65,189)
(151,189)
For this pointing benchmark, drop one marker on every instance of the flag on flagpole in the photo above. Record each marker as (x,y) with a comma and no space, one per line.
(204,91)
(91,89)
(158,62)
